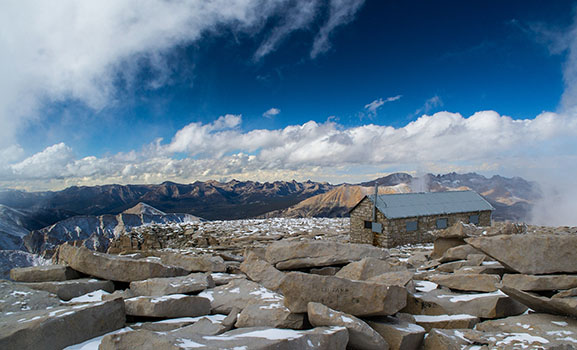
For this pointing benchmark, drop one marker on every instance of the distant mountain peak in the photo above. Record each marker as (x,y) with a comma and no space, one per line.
(144,209)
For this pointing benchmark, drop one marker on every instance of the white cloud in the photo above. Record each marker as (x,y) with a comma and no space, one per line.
(376,104)
(431,103)
(341,13)
(300,15)
(485,140)
(559,42)
(81,50)
(569,98)
(271,112)
(207,139)
(52,162)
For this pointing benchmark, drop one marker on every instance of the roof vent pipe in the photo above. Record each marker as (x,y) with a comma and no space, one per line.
(375,202)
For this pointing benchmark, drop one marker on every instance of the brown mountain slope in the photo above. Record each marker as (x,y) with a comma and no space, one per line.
(336,202)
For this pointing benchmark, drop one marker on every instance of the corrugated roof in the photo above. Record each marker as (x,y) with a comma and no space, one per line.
(404,205)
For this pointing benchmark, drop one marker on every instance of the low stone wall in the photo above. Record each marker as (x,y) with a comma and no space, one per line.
(394,230)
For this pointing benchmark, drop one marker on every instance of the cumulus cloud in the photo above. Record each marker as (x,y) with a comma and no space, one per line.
(484,140)
(271,112)
(376,104)
(83,50)
(49,163)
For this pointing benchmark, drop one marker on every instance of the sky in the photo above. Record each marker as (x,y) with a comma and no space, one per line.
(147,91)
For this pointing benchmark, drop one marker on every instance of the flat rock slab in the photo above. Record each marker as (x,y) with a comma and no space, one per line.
(15,297)
(468,282)
(443,244)
(395,278)
(361,335)
(175,305)
(460,252)
(539,322)
(269,314)
(114,267)
(322,338)
(261,271)
(325,271)
(45,273)
(195,282)
(531,253)
(549,331)
(354,297)
(566,293)
(459,230)
(176,323)
(492,269)
(204,263)
(239,294)
(540,283)
(482,305)
(286,255)
(67,290)
(370,267)
(556,306)
(450,339)
(61,326)
(456,265)
(429,322)
(399,334)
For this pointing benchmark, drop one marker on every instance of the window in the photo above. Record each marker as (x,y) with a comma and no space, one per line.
(412,226)
(368,224)
(442,223)
(474,219)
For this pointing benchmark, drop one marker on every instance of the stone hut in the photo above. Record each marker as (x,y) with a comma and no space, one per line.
(406,218)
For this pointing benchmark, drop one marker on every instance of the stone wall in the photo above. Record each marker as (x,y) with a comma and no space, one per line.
(364,211)
(394,230)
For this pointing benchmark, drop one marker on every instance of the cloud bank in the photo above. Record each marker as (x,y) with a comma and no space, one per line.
(485,140)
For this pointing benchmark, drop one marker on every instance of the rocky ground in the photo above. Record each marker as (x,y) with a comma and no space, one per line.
(275,284)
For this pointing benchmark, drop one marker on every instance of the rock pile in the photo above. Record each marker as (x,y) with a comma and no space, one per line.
(471,290)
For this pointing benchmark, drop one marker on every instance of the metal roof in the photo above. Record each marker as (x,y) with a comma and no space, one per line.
(404,205)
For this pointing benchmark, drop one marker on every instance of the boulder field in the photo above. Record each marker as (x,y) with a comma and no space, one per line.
(504,287)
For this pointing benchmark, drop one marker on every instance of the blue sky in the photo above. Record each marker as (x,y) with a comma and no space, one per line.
(338,91)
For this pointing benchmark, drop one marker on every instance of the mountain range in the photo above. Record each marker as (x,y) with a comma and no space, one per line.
(211,200)
(96,231)
(38,221)
(511,197)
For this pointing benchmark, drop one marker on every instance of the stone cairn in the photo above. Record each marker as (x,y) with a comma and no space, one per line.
(504,287)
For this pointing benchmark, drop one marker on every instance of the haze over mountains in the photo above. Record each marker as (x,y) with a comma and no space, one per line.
(37,221)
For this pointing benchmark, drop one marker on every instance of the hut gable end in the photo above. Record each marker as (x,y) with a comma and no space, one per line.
(409,218)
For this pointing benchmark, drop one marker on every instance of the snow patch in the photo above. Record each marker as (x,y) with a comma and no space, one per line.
(469,297)
(523,338)
(425,286)
(441,318)
(187,343)
(212,318)
(91,297)
(168,297)
(92,344)
(208,294)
